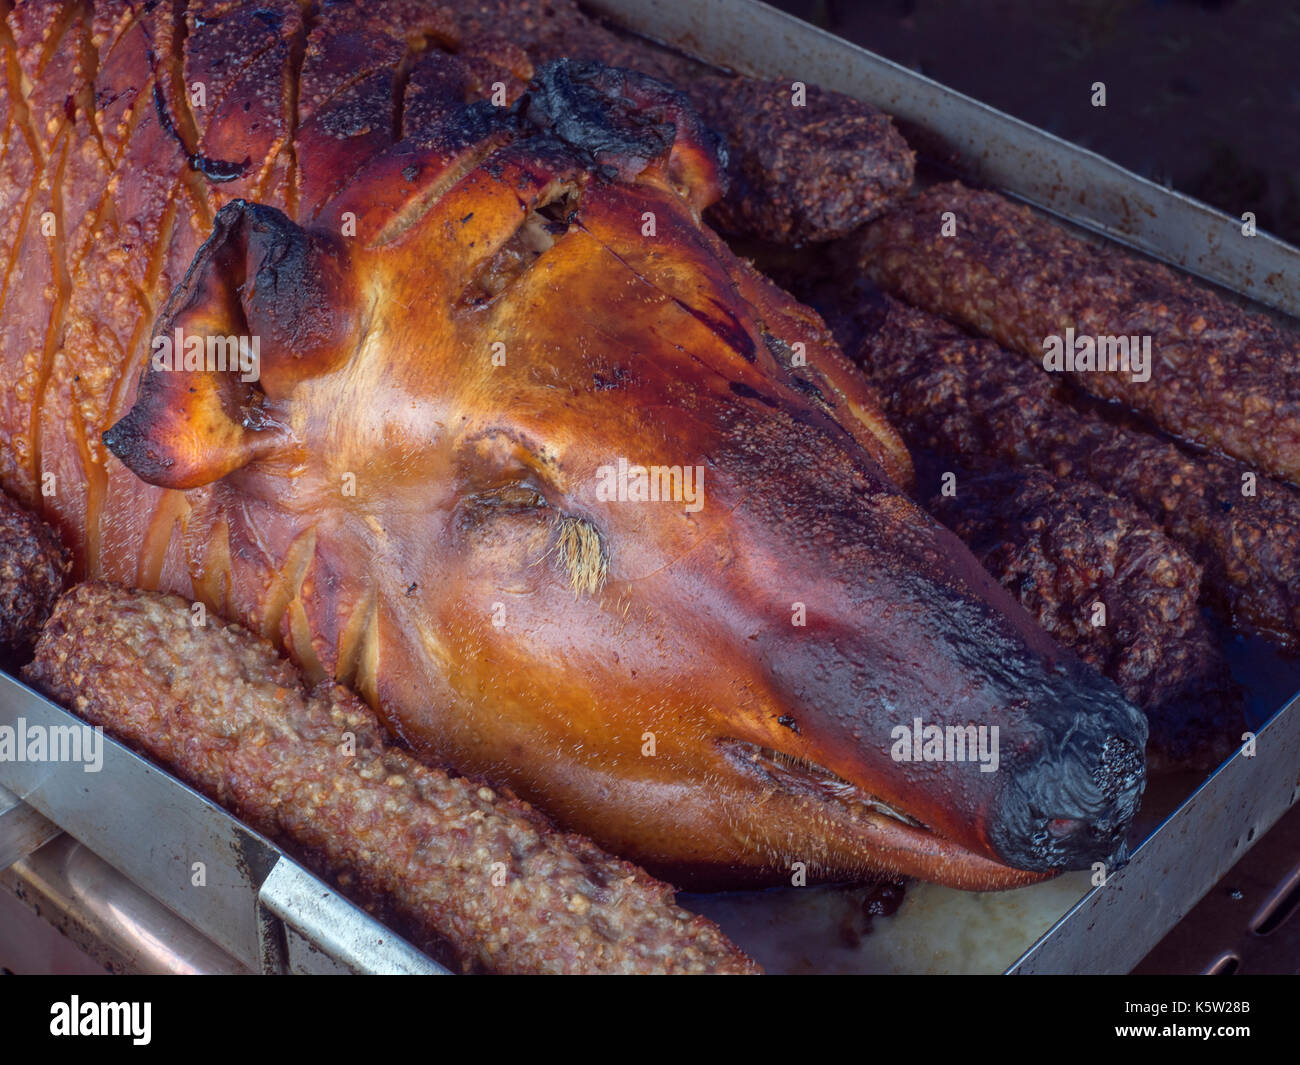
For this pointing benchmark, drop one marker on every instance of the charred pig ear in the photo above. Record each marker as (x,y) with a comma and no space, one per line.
(262,307)
(628,124)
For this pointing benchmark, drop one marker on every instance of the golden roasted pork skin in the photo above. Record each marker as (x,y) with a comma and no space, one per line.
(371,335)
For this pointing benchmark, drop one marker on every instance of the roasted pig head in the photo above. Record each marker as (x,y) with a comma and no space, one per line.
(585,506)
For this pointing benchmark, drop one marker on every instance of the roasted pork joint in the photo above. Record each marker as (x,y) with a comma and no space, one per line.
(462,867)
(466,312)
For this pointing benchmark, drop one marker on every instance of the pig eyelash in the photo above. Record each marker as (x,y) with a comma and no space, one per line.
(580,552)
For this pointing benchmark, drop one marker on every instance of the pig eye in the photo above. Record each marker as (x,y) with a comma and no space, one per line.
(575,545)
(516,496)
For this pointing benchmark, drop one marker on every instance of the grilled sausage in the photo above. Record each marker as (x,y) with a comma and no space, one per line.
(801,174)
(1059,543)
(1220,376)
(34,567)
(1105,581)
(967,397)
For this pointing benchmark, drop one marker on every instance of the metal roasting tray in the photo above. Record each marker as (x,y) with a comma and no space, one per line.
(1113,926)
(260,910)
(109,856)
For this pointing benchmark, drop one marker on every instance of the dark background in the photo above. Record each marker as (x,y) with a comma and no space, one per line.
(1203,95)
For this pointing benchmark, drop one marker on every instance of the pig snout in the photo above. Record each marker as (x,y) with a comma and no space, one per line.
(1069,797)
(904,649)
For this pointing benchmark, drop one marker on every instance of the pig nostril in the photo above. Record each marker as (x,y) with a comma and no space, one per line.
(1119,768)
(1070,792)
(1070,812)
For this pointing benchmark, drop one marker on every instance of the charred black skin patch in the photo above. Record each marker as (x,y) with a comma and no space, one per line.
(600,112)
(576,102)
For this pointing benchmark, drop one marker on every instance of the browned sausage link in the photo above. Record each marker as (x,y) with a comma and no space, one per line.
(805,173)
(456,861)
(1068,550)
(958,395)
(34,568)
(1220,376)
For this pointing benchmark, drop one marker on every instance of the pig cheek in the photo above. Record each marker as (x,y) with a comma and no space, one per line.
(508,640)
